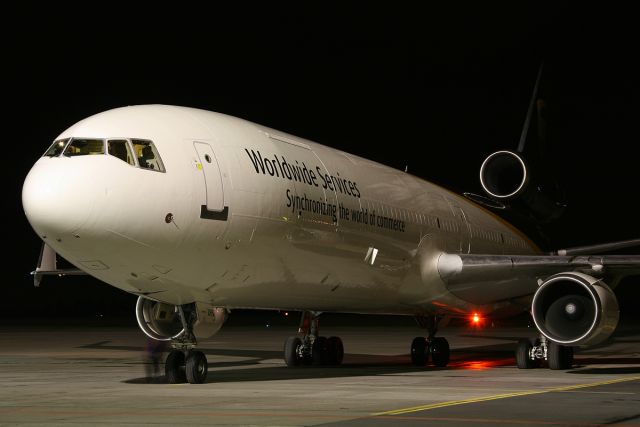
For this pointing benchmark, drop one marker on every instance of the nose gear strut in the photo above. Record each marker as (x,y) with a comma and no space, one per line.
(184,363)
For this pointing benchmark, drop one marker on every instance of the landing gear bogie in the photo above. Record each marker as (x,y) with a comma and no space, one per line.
(530,355)
(308,348)
(434,348)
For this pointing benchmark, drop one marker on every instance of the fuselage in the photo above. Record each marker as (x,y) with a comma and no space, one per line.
(247,216)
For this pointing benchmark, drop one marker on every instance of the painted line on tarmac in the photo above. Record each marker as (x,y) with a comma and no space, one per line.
(500,396)
(494,421)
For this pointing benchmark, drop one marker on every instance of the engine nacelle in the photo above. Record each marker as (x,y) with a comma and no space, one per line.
(162,321)
(575,309)
(504,175)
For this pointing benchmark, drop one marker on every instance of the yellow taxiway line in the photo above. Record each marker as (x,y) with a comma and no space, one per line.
(500,396)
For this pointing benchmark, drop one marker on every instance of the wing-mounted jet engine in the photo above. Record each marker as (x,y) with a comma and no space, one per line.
(575,309)
(569,309)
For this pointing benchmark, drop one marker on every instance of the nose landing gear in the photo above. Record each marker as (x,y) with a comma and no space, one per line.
(184,363)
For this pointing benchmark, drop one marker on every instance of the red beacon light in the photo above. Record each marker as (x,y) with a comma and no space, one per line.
(476,319)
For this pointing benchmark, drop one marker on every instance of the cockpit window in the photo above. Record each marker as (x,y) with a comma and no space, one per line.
(56,148)
(120,148)
(148,157)
(83,147)
(140,152)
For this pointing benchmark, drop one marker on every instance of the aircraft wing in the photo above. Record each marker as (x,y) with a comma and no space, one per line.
(483,279)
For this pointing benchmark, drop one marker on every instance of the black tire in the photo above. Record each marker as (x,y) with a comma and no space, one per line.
(307,359)
(196,367)
(439,349)
(174,368)
(335,351)
(523,361)
(319,351)
(419,351)
(291,345)
(559,356)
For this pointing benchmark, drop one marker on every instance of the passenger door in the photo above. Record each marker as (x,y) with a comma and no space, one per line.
(212,177)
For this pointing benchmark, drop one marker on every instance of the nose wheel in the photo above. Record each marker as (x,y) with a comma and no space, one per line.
(174,367)
(181,368)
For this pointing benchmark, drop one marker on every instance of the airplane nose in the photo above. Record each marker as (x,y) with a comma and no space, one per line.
(57,197)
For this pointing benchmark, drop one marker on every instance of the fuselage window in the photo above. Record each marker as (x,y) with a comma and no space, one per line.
(56,148)
(148,157)
(83,147)
(120,148)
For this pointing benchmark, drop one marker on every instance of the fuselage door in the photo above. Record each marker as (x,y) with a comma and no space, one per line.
(212,177)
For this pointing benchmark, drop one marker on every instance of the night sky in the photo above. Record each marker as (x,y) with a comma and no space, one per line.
(436,89)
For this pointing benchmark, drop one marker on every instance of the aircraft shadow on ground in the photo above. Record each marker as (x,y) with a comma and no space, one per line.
(255,364)
(354,365)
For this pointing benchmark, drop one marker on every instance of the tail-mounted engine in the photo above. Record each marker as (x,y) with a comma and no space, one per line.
(575,309)
(166,322)
(509,179)
(505,176)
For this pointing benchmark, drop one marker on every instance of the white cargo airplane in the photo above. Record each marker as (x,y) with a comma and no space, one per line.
(198,213)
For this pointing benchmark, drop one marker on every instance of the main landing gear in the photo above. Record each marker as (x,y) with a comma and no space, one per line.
(184,363)
(529,354)
(307,348)
(436,348)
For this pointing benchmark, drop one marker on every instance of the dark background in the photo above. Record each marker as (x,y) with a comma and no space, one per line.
(436,89)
